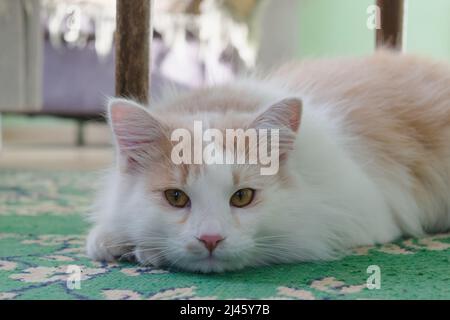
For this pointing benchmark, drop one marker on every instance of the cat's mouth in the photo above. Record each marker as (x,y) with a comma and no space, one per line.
(206,263)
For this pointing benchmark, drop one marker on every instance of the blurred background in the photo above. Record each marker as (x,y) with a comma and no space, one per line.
(57,60)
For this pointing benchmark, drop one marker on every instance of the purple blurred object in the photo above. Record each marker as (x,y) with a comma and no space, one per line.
(77,82)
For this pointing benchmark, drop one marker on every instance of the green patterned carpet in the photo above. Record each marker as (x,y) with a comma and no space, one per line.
(42,234)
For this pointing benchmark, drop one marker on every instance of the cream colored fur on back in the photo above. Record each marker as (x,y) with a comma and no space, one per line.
(397,108)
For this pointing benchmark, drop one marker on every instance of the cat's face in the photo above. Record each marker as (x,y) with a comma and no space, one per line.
(200,217)
(211,221)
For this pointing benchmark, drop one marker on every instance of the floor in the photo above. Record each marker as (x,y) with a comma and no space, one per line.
(50,143)
(42,256)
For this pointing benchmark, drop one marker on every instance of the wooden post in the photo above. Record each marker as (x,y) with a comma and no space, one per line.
(132,49)
(391,32)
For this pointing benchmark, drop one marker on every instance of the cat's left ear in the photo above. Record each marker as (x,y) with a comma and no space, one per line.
(138,133)
(285,116)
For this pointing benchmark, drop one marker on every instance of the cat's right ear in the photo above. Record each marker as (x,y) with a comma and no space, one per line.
(285,116)
(137,132)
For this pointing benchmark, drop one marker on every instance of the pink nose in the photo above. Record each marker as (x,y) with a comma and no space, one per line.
(210,241)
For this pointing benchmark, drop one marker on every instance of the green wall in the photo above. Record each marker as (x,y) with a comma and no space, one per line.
(428,28)
(338,27)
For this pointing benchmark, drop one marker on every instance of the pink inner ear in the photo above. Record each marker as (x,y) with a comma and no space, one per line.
(127,126)
(137,132)
(130,139)
(131,144)
(294,110)
(284,114)
(294,121)
(118,113)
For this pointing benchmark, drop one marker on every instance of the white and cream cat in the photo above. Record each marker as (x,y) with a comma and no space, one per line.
(364,159)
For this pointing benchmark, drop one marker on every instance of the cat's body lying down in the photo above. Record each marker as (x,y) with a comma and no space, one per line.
(364,159)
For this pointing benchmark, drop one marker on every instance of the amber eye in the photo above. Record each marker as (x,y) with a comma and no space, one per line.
(242,197)
(176,198)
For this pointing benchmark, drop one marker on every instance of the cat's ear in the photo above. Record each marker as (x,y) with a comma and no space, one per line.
(285,116)
(138,134)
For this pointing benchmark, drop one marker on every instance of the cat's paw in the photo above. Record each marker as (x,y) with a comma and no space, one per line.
(100,246)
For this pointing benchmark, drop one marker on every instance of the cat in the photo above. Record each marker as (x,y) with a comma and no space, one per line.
(364,159)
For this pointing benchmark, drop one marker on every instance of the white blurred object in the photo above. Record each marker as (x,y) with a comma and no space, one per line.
(225,43)
(105,25)
(74,21)
(204,41)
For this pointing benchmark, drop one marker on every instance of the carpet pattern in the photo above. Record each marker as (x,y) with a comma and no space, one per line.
(42,234)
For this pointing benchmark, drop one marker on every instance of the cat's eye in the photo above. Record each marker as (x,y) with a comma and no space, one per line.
(176,198)
(242,197)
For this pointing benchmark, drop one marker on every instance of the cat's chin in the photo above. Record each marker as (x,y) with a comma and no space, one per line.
(209,264)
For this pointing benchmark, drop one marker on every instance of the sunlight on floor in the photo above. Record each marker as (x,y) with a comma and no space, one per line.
(50,143)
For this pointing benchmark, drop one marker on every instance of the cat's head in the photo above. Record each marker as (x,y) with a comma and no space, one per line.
(202,217)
